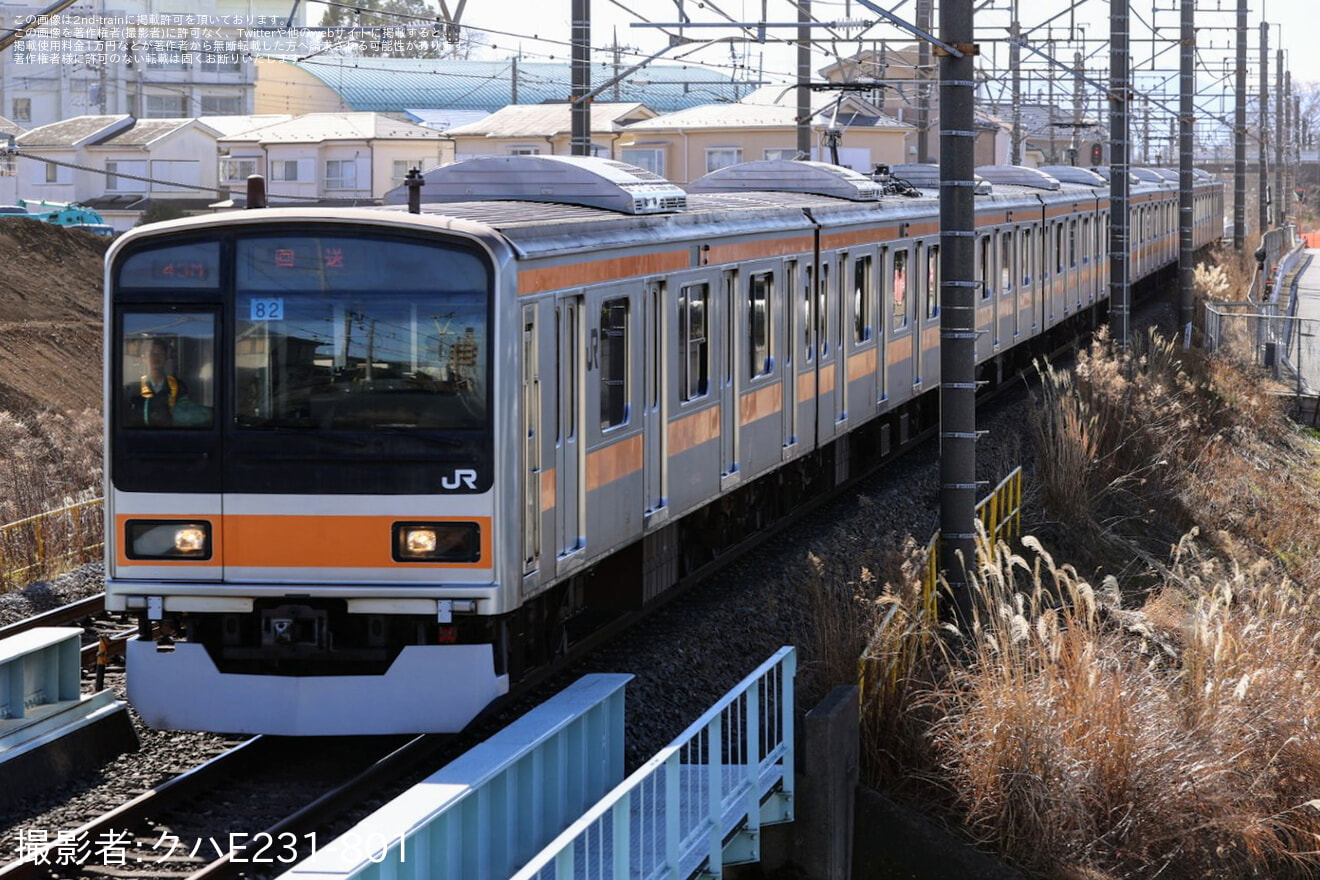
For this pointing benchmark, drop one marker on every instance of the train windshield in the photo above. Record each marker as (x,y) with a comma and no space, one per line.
(358,334)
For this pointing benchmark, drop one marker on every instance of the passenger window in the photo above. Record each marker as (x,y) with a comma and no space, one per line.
(1027,244)
(613,363)
(983,273)
(823,311)
(900,288)
(758,324)
(1006,263)
(810,277)
(862,299)
(933,281)
(167,370)
(693,344)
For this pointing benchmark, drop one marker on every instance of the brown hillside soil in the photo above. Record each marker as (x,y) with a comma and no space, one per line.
(50,317)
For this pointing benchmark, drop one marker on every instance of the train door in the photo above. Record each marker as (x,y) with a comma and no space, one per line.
(655,504)
(882,306)
(569,509)
(532,473)
(728,382)
(786,304)
(826,351)
(843,330)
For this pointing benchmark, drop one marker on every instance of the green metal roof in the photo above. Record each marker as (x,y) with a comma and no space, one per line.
(396,84)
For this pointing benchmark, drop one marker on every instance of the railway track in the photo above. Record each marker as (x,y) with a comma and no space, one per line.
(90,614)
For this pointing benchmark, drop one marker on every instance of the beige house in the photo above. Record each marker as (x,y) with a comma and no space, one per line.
(895,74)
(683,146)
(334,157)
(545,129)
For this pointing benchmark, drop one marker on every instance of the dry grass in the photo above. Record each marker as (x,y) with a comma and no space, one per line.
(47,461)
(1159,716)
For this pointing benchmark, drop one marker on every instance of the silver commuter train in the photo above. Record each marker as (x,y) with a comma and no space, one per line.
(366,465)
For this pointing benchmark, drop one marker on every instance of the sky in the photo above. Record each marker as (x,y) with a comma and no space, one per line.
(510,25)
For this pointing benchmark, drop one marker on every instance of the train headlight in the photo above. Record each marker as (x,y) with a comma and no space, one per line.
(168,539)
(437,542)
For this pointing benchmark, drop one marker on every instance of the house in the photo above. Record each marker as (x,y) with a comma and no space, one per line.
(683,146)
(327,83)
(896,85)
(143,58)
(337,158)
(120,165)
(8,164)
(534,129)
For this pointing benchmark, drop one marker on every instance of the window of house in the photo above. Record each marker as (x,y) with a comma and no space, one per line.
(693,344)
(862,299)
(341,174)
(21,109)
(780,154)
(166,106)
(237,169)
(613,363)
(52,173)
(399,170)
(222,105)
(523,151)
(284,169)
(651,159)
(758,324)
(722,157)
(121,184)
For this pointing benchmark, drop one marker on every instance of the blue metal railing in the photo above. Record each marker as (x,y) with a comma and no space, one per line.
(698,804)
(488,811)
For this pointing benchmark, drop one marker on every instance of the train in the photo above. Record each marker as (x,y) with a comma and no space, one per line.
(367,466)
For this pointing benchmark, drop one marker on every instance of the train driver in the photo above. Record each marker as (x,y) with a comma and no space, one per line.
(159,398)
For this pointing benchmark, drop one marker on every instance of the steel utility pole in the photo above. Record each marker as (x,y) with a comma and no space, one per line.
(1264,177)
(1120,93)
(1015,66)
(1186,128)
(1240,133)
(958,287)
(1278,136)
(923,84)
(581,85)
(803,78)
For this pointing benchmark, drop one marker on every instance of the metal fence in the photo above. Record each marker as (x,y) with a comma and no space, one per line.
(698,804)
(48,543)
(1001,514)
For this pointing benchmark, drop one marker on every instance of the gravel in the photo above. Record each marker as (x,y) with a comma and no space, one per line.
(42,596)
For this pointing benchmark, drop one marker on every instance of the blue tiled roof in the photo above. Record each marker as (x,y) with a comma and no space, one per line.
(394,84)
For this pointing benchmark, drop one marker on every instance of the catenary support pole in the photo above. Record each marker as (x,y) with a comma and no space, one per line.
(1240,133)
(1278,137)
(581,84)
(923,83)
(958,294)
(1186,180)
(1015,68)
(1263,180)
(804,80)
(1120,95)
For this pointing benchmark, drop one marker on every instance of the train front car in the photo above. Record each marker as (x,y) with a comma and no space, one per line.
(301,483)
